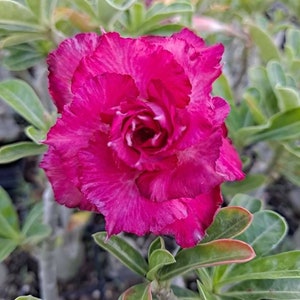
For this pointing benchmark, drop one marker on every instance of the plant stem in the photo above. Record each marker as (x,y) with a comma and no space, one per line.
(163,291)
(46,259)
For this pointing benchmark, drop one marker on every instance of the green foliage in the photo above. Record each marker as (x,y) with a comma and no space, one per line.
(27,298)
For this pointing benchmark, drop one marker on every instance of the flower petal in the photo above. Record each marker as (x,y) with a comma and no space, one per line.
(110,186)
(201,212)
(141,60)
(63,62)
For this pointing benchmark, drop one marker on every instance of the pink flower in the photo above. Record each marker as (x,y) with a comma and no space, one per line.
(140,138)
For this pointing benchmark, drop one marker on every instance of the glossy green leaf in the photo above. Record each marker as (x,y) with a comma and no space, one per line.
(264,42)
(19,150)
(250,203)
(265,232)
(229,222)
(158,259)
(284,289)
(251,182)
(279,266)
(158,243)
(217,252)
(123,251)
(137,16)
(9,223)
(7,246)
(22,98)
(14,13)
(33,229)
(140,291)
(166,29)
(27,298)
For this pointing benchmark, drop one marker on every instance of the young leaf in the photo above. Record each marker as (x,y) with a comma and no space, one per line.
(204,293)
(140,291)
(158,243)
(6,248)
(184,294)
(9,224)
(214,253)
(250,203)
(34,134)
(120,4)
(265,232)
(265,289)
(22,98)
(279,266)
(158,259)
(122,251)
(287,97)
(19,150)
(229,222)
(33,229)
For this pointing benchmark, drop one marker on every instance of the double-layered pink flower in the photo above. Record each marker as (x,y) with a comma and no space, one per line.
(140,138)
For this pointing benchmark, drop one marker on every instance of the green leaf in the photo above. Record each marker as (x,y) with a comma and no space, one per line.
(279,266)
(210,254)
(120,4)
(204,292)
(34,230)
(282,126)
(27,298)
(265,232)
(140,291)
(229,222)
(122,251)
(22,57)
(251,182)
(158,259)
(292,40)
(287,97)
(264,42)
(19,150)
(84,6)
(250,203)
(158,243)
(19,38)
(14,13)
(275,74)
(252,98)
(34,134)
(22,98)
(159,12)
(7,246)
(265,289)
(9,223)
(184,294)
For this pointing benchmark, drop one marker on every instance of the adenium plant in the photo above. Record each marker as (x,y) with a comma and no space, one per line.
(140,138)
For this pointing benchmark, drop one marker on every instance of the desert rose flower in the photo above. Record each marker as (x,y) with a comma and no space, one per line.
(140,138)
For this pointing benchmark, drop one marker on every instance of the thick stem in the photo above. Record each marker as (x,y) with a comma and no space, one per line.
(163,291)
(46,258)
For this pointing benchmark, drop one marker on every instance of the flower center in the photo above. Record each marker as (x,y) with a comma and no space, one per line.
(143,134)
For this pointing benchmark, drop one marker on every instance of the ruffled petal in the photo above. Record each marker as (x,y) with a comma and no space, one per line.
(201,211)
(229,165)
(62,174)
(62,63)
(141,60)
(110,186)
